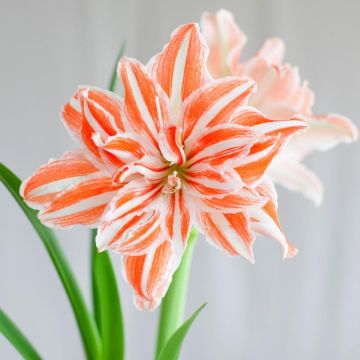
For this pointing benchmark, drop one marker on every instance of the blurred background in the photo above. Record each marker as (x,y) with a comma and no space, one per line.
(304,308)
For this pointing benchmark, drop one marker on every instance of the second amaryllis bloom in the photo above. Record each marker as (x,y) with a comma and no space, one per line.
(179,149)
(280,94)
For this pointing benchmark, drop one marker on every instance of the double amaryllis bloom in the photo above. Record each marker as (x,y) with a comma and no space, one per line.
(281,94)
(179,149)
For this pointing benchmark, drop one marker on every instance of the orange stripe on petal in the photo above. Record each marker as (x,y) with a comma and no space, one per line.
(171,145)
(228,232)
(54,177)
(242,199)
(265,220)
(111,104)
(80,204)
(141,99)
(258,160)
(251,117)
(220,143)
(150,275)
(134,236)
(177,220)
(180,67)
(215,103)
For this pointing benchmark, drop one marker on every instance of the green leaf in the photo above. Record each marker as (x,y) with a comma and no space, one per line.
(172,347)
(17,338)
(86,323)
(114,77)
(107,305)
(173,305)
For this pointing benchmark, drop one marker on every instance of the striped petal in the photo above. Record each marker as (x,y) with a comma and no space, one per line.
(150,168)
(133,235)
(254,165)
(180,68)
(124,147)
(249,116)
(150,274)
(226,142)
(90,111)
(225,40)
(243,199)
(228,232)
(133,199)
(177,220)
(265,221)
(56,176)
(81,204)
(145,103)
(171,145)
(214,104)
(203,180)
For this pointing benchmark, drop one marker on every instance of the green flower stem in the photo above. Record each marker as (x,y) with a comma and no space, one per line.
(173,305)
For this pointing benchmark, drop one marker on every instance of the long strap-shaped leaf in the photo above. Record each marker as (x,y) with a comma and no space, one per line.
(88,330)
(106,299)
(17,338)
(172,347)
(107,305)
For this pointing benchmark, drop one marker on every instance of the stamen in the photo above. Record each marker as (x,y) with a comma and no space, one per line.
(173,183)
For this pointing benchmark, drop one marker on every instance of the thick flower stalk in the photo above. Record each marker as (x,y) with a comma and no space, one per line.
(281,94)
(179,149)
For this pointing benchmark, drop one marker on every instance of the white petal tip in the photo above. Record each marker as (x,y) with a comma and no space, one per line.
(290,253)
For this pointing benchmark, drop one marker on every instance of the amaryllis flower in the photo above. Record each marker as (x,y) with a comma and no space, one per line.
(281,94)
(179,149)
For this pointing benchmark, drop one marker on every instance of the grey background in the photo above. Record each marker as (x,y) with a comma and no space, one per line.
(305,308)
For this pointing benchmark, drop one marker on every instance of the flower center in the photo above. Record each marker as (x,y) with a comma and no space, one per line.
(173,182)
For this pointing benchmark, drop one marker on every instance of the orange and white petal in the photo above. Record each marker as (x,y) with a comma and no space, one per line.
(103,111)
(252,167)
(170,141)
(149,167)
(125,147)
(176,220)
(145,103)
(72,116)
(324,133)
(250,116)
(180,68)
(132,235)
(220,144)
(150,274)
(81,204)
(265,221)
(56,176)
(215,103)
(229,232)
(241,200)
(93,110)
(203,180)
(225,40)
(297,177)
(132,199)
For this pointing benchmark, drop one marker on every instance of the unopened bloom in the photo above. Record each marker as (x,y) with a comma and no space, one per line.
(281,94)
(179,149)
